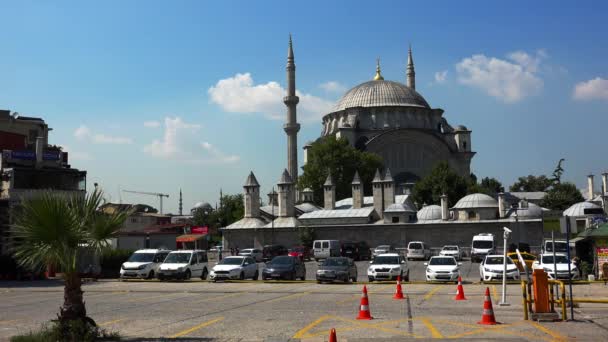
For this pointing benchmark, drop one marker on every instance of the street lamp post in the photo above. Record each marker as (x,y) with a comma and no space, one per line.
(505,236)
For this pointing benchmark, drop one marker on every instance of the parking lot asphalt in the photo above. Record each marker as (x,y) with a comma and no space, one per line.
(292,311)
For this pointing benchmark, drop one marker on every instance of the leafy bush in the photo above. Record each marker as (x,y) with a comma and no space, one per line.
(71,331)
(112,260)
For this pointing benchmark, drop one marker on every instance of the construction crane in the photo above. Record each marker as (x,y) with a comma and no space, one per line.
(160,196)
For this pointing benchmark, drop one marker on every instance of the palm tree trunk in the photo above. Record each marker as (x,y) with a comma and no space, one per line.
(73,305)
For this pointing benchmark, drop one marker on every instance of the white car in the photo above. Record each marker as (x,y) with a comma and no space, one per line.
(491,268)
(143,264)
(235,267)
(184,264)
(442,268)
(387,267)
(255,253)
(382,249)
(545,261)
(418,250)
(451,250)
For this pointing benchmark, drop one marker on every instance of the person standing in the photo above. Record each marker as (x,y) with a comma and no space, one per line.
(219,253)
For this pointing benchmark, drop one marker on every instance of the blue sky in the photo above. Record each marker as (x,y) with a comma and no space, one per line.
(154,96)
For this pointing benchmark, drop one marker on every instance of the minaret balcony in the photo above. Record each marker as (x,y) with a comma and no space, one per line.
(291,100)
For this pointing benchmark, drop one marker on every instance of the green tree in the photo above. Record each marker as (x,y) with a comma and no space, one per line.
(441,180)
(307,235)
(561,196)
(336,156)
(58,230)
(532,183)
(488,186)
(557,173)
(230,211)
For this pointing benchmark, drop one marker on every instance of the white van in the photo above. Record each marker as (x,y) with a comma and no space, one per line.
(323,249)
(418,250)
(184,264)
(143,263)
(483,244)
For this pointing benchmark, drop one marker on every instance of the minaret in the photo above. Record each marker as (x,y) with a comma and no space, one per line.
(180,203)
(410,73)
(291,127)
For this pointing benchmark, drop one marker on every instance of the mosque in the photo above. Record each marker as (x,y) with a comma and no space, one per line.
(393,120)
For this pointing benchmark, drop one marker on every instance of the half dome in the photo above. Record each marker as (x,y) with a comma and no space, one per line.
(476,201)
(578,209)
(429,213)
(380,93)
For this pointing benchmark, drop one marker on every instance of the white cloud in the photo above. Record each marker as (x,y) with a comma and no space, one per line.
(441,76)
(595,89)
(151,124)
(333,87)
(179,143)
(510,81)
(83,133)
(238,94)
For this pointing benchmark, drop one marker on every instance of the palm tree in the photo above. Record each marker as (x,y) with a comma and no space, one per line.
(54,229)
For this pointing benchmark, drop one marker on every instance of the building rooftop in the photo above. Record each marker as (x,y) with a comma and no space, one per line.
(476,201)
(380,93)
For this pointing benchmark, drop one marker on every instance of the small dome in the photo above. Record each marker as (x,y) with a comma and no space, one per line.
(380,93)
(461,128)
(429,213)
(578,209)
(476,201)
(202,205)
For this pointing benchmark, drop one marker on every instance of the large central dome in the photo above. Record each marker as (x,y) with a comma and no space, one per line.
(380,93)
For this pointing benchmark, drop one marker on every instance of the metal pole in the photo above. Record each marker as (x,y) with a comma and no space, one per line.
(272,219)
(503,301)
(554,262)
(569,267)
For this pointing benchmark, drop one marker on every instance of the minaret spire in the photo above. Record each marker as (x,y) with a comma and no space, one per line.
(378,76)
(291,127)
(410,73)
(180,202)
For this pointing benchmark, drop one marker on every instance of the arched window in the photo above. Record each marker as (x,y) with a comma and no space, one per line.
(464,145)
(395,219)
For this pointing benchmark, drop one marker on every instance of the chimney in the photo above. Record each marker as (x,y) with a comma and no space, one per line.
(444,207)
(251,196)
(39,151)
(502,211)
(329,194)
(307,195)
(286,203)
(273,198)
(388,187)
(604,183)
(377,193)
(590,187)
(357,189)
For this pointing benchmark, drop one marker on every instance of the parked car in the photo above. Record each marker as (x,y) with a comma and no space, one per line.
(235,267)
(387,267)
(255,253)
(337,268)
(356,250)
(545,261)
(382,249)
(301,252)
(284,267)
(143,264)
(529,259)
(442,268)
(271,251)
(491,268)
(451,250)
(418,250)
(326,248)
(184,264)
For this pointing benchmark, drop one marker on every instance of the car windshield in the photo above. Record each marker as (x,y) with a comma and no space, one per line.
(247,250)
(559,259)
(231,261)
(450,248)
(482,244)
(178,258)
(298,249)
(386,260)
(442,261)
(415,246)
(497,260)
(336,262)
(141,257)
(282,261)
(383,247)
(559,246)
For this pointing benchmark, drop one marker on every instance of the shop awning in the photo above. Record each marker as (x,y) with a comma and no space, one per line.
(190,237)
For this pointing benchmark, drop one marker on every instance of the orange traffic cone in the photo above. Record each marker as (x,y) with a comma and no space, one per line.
(332,335)
(399,291)
(364,312)
(487,317)
(460,291)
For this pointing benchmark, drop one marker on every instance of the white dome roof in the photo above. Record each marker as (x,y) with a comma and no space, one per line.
(578,209)
(476,201)
(202,205)
(429,213)
(380,93)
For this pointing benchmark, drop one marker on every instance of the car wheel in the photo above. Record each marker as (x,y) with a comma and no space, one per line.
(371,280)
(407,276)
(204,274)
(151,275)
(187,275)
(256,275)
(354,279)
(242,276)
